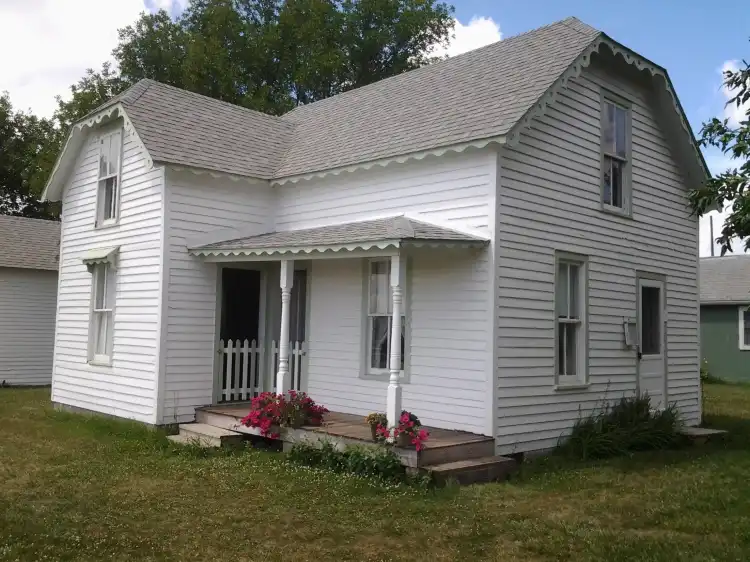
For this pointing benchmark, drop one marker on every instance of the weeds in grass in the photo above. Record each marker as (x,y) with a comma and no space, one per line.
(372,462)
(630,425)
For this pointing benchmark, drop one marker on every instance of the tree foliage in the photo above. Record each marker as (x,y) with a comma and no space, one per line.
(268,55)
(733,185)
(26,156)
(272,55)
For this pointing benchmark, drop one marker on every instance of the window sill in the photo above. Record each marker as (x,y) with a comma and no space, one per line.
(106,224)
(384,376)
(572,386)
(609,209)
(100,362)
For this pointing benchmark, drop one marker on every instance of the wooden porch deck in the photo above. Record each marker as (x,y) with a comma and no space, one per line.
(443,445)
(355,427)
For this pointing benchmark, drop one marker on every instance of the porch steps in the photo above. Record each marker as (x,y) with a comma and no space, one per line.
(206,435)
(473,471)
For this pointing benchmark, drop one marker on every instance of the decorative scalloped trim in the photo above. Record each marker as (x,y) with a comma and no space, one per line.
(383,162)
(78,130)
(329,249)
(215,174)
(574,71)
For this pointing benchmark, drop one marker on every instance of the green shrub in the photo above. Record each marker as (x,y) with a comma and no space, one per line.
(630,425)
(373,462)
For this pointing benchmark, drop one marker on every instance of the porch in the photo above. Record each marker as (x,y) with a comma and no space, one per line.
(459,455)
(339,297)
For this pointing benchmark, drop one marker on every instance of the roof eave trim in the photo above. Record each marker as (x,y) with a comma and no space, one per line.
(398,159)
(574,71)
(334,248)
(79,130)
(213,173)
(733,302)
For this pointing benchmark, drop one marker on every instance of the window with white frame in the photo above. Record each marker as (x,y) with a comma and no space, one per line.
(615,176)
(380,317)
(102,309)
(744,328)
(108,199)
(570,320)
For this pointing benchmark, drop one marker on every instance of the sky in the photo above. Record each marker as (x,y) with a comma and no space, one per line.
(48,44)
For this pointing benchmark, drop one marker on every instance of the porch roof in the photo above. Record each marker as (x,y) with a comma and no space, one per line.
(381,233)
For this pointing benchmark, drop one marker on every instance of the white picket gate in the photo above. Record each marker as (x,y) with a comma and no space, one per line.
(242,369)
(296,358)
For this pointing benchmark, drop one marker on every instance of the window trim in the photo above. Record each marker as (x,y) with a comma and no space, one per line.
(580,380)
(100,221)
(110,291)
(742,344)
(384,374)
(626,210)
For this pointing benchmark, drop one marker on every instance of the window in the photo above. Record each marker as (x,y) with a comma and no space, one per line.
(651,340)
(615,156)
(380,318)
(570,322)
(744,328)
(102,306)
(110,151)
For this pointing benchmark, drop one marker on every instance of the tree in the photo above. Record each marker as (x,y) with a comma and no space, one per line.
(733,185)
(26,158)
(272,55)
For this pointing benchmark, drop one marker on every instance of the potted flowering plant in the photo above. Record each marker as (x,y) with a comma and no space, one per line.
(269,412)
(408,432)
(374,420)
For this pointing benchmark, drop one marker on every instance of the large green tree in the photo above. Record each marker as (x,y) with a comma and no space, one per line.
(272,55)
(733,185)
(27,154)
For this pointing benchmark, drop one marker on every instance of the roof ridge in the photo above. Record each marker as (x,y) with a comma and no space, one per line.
(461,56)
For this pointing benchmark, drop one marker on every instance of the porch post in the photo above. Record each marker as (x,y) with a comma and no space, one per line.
(393,407)
(286,280)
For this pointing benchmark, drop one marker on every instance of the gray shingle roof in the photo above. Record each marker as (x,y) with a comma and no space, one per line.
(725,280)
(184,128)
(399,229)
(480,94)
(29,243)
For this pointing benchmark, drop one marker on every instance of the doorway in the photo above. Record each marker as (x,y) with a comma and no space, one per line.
(652,340)
(241,348)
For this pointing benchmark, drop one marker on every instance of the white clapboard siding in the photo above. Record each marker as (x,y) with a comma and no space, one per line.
(449,355)
(549,200)
(28,300)
(196,205)
(127,388)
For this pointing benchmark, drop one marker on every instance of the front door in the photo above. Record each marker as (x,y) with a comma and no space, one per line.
(652,341)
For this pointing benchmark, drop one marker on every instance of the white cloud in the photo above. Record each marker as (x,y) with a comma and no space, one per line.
(47,45)
(480,31)
(172,6)
(732,112)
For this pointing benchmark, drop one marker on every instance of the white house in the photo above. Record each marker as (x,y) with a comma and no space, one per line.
(515,219)
(29,250)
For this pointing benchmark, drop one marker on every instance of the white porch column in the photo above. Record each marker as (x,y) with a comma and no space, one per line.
(393,407)
(283,379)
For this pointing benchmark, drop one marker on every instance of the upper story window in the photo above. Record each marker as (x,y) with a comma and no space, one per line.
(380,317)
(615,157)
(744,328)
(110,165)
(102,313)
(570,320)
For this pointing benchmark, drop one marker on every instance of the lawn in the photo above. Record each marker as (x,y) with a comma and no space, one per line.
(84,488)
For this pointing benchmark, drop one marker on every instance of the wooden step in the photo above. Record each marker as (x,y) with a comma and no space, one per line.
(477,449)
(474,471)
(209,435)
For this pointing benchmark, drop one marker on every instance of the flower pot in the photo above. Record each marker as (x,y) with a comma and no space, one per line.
(403,440)
(315,422)
(374,431)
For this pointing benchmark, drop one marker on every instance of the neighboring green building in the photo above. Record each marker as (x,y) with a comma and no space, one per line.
(725,316)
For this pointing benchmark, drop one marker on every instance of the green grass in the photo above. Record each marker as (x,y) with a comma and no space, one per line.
(85,488)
